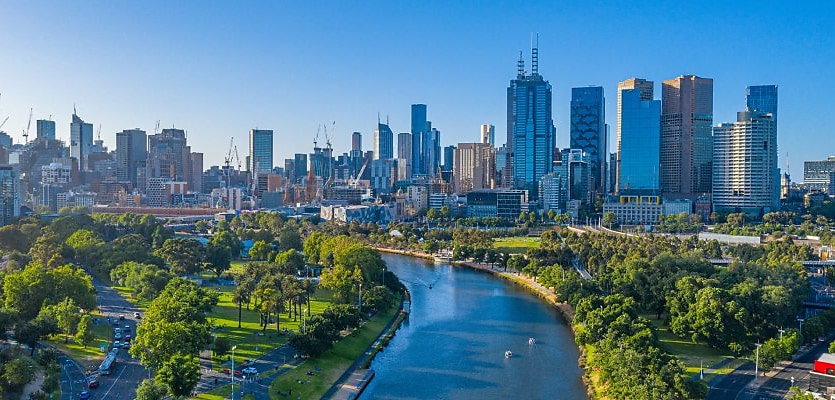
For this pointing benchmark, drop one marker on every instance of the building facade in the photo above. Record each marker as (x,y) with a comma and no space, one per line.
(474,167)
(638,137)
(45,129)
(383,142)
(9,194)
(131,154)
(81,139)
(686,155)
(745,174)
(589,132)
(260,151)
(818,175)
(531,136)
(488,134)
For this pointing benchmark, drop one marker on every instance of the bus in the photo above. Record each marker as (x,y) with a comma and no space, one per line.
(108,362)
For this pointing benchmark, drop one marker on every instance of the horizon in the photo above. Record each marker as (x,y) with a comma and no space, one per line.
(187,64)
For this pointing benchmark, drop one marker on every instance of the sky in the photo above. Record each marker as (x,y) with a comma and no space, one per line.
(220,68)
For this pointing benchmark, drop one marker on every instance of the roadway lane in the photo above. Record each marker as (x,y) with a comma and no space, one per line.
(730,386)
(73,378)
(778,385)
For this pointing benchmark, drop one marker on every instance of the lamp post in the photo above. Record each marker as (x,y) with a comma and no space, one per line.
(360,305)
(384,276)
(800,320)
(781,330)
(757,363)
(233,371)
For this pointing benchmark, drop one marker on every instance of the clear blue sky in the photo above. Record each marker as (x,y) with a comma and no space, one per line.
(219,68)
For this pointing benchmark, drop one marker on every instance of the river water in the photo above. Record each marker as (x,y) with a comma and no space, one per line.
(453,344)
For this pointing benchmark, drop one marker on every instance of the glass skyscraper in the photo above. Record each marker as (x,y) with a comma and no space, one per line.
(383,142)
(426,143)
(639,138)
(81,139)
(260,151)
(531,136)
(762,99)
(589,132)
(9,194)
(686,136)
(45,128)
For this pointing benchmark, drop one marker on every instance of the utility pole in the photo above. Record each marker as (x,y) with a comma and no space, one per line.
(757,363)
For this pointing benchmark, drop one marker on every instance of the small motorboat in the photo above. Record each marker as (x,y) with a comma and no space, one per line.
(531,341)
(430,286)
(508,354)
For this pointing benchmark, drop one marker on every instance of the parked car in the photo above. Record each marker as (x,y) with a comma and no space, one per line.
(93,384)
(85,395)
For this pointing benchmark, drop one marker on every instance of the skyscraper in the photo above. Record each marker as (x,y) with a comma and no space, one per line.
(488,134)
(9,194)
(131,153)
(531,136)
(474,167)
(404,155)
(260,151)
(588,132)
(762,99)
(356,141)
(383,142)
(419,133)
(686,136)
(745,173)
(45,128)
(639,137)
(300,165)
(168,156)
(81,139)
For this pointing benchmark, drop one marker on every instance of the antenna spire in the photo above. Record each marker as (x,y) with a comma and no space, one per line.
(520,66)
(534,54)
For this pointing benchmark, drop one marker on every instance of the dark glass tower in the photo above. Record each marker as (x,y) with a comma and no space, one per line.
(531,136)
(588,132)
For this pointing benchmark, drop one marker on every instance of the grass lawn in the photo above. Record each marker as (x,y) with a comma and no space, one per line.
(330,365)
(253,342)
(689,352)
(127,293)
(90,356)
(516,244)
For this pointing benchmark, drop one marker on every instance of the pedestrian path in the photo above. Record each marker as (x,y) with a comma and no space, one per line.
(269,366)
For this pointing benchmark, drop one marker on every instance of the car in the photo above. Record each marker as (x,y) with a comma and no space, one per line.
(117,335)
(137,315)
(117,330)
(127,338)
(249,370)
(122,317)
(127,328)
(93,384)
(126,345)
(117,345)
(85,395)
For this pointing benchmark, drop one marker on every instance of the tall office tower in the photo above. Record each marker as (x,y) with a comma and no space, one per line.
(404,155)
(195,182)
(45,128)
(131,154)
(449,158)
(639,138)
(9,194)
(745,173)
(418,137)
(762,99)
(531,136)
(589,132)
(168,156)
(81,139)
(474,167)
(488,134)
(260,151)
(818,175)
(290,170)
(356,141)
(383,142)
(686,136)
(5,140)
(432,155)
(300,165)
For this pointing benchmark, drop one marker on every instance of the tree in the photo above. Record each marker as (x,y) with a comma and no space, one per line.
(221,346)
(85,244)
(183,255)
(796,393)
(289,239)
(66,314)
(259,250)
(83,332)
(218,258)
(17,373)
(610,220)
(180,374)
(313,246)
(149,390)
(47,250)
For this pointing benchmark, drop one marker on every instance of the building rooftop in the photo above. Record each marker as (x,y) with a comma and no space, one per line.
(827,358)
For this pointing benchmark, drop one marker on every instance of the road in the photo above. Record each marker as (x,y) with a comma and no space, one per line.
(731,385)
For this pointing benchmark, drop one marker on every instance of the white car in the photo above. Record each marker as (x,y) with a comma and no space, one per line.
(116,344)
(117,335)
(126,345)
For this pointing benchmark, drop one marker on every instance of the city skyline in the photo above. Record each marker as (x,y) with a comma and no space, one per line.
(142,75)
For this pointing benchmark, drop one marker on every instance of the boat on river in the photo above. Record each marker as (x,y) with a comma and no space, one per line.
(508,354)
(442,259)
(531,341)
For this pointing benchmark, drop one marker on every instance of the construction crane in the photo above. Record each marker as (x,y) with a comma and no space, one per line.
(354,182)
(28,125)
(4,122)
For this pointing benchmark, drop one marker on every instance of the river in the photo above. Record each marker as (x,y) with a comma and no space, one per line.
(453,344)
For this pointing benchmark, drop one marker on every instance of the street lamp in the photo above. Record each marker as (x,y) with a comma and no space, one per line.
(384,276)
(757,363)
(360,306)
(233,371)
(781,330)
(800,320)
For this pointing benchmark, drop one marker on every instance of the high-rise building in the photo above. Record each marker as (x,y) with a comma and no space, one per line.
(589,131)
(300,165)
(474,167)
(745,174)
(383,142)
(195,182)
(168,156)
(818,175)
(356,141)
(131,154)
(531,136)
(81,139)
(639,137)
(449,158)
(45,128)
(260,151)
(404,155)
(762,99)
(9,194)
(426,143)
(5,140)
(686,136)
(488,134)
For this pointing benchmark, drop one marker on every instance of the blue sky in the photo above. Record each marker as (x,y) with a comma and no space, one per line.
(218,69)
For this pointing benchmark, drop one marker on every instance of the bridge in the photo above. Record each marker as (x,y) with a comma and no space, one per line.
(805,263)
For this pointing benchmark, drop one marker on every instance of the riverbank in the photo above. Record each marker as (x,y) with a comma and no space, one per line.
(533,287)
